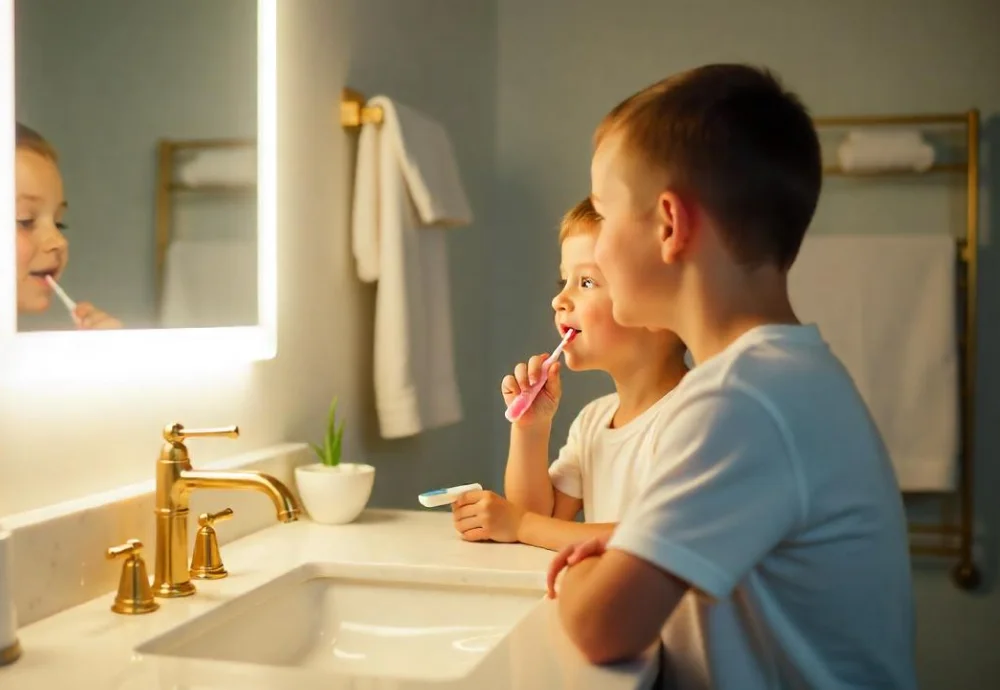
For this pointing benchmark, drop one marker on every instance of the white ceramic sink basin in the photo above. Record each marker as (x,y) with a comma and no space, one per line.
(382,621)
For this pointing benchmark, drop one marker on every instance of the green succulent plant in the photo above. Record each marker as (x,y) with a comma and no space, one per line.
(329,453)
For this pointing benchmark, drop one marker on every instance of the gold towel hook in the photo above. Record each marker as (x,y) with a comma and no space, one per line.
(354,112)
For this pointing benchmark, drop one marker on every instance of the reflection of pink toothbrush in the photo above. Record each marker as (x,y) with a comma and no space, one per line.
(519,405)
(70,304)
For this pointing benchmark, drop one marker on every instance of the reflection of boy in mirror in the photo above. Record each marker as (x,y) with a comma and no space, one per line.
(42,249)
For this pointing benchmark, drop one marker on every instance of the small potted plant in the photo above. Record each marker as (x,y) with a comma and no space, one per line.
(334,492)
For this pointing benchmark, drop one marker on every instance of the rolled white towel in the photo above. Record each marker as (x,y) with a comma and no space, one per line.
(219,166)
(866,151)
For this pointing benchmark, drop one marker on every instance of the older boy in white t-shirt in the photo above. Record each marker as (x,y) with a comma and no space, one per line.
(769,549)
(603,465)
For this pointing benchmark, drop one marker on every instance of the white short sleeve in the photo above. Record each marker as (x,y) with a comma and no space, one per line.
(723,492)
(566,472)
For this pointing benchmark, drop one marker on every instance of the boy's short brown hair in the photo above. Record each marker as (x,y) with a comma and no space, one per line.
(582,219)
(27,138)
(734,138)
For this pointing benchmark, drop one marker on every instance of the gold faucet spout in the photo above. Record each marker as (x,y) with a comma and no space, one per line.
(175,480)
(285,505)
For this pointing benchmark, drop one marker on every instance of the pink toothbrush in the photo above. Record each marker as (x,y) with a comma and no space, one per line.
(70,304)
(519,405)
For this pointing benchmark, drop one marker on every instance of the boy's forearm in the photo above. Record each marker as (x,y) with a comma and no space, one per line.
(552,533)
(526,480)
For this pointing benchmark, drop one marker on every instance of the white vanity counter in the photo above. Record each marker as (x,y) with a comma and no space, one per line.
(88,646)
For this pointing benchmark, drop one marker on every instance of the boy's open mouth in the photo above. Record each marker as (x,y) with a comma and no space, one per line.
(42,275)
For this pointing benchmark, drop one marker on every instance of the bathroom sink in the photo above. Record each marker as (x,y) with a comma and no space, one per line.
(376,621)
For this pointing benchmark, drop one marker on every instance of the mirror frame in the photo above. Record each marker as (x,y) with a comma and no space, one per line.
(27,352)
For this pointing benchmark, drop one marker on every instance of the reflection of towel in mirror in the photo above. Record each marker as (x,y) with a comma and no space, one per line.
(224,166)
(209,283)
(407,191)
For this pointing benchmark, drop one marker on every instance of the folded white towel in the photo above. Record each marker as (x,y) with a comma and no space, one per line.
(210,283)
(886,306)
(873,150)
(407,190)
(235,166)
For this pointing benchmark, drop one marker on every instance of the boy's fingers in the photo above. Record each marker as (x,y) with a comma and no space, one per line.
(558,563)
(467,523)
(460,503)
(475,534)
(521,375)
(465,511)
(553,384)
(535,368)
(584,551)
(470,497)
(509,387)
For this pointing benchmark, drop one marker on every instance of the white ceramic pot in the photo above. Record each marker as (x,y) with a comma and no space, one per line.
(334,495)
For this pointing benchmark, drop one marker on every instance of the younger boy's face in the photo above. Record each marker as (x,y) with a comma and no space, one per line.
(628,249)
(584,304)
(41,247)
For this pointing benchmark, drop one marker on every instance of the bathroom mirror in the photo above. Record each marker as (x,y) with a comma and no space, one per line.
(139,172)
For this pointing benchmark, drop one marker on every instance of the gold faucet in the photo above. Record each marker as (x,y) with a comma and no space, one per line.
(175,479)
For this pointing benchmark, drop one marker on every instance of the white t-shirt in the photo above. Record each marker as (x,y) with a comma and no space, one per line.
(772,494)
(603,466)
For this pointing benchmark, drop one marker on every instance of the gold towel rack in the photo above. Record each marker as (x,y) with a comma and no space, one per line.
(354,112)
(956,538)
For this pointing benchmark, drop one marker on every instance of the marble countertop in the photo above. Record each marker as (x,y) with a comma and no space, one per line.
(88,646)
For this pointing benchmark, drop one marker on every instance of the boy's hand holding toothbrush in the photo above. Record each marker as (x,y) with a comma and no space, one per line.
(532,393)
(546,402)
(89,317)
(84,314)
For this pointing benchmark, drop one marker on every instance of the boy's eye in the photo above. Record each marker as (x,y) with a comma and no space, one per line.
(587,283)
(26,223)
(561,283)
(62,227)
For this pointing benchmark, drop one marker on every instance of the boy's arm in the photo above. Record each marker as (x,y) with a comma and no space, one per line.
(747,500)
(530,482)
(526,479)
(557,533)
(613,606)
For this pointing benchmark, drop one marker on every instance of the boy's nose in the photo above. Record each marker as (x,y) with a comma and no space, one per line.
(54,240)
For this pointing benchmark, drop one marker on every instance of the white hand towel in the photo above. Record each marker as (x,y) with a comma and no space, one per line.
(407,191)
(886,306)
(870,151)
(209,283)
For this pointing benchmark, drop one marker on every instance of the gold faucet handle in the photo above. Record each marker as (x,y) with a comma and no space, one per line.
(176,433)
(209,519)
(134,593)
(206,561)
(132,546)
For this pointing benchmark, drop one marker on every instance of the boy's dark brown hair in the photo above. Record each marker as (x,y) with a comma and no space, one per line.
(743,146)
(27,138)
(582,219)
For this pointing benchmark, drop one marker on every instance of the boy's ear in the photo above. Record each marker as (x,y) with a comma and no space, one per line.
(673,225)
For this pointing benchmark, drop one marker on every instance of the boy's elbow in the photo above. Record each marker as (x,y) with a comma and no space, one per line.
(595,636)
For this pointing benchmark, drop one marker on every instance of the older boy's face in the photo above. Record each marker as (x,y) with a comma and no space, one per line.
(627,250)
